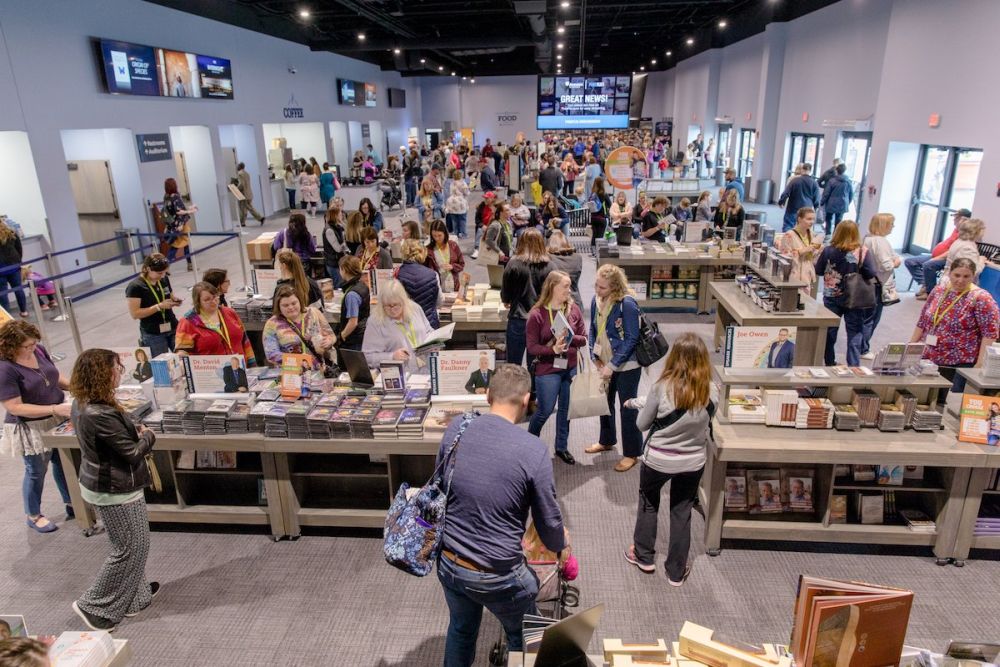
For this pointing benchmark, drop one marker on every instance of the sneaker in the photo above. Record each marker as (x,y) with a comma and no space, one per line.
(630,557)
(154,588)
(687,573)
(868,355)
(94,622)
(475,254)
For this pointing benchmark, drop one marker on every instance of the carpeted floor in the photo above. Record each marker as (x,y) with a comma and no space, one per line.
(329,599)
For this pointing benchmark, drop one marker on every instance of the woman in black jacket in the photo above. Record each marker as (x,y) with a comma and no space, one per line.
(113,474)
(522,284)
(10,268)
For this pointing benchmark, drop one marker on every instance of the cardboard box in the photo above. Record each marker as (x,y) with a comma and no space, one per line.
(651,651)
(259,249)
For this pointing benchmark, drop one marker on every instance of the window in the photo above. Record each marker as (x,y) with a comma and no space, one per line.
(804,148)
(723,147)
(854,150)
(748,147)
(946,182)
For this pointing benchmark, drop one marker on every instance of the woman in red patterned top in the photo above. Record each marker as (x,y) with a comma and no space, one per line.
(209,328)
(958,322)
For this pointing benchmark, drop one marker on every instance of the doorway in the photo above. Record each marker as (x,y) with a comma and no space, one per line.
(722,147)
(854,151)
(804,148)
(96,205)
(946,182)
(433,138)
(748,148)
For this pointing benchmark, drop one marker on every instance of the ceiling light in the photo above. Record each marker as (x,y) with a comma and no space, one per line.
(564,4)
(361,36)
(440,68)
(304,13)
(472,80)
(559,45)
(560,30)
(653,61)
(690,41)
(423,60)
(464,78)
(670,53)
(722,23)
(558,56)
(453,74)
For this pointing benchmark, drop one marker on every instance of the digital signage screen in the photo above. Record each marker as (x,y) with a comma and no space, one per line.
(356,93)
(215,76)
(397,98)
(129,69)
(583,102)
(345,92)
(370,97)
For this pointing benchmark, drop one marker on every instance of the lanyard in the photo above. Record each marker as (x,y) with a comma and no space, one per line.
(409,332)
(506,232)
(160,297)
(808,234)
(299,330)
(602,318)
(222,330)
(938,315)
(367,258)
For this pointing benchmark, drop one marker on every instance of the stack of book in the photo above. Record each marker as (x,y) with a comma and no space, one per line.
(193,421)
(987,526)
(340,423)
(238,419)
(926,418)
(318,420)
(781,405)
(216,416)
(890,418)
(411,424)
(274,420)
(154,421)
(814,413)
(907,404)
(173,416)
(746,407)
(257,414)
(867,403)
(991,366)
(361,422)
(270,395)
(845,418)
(418,398)
(295,419)
(917,521)
(384,425)
(133,401)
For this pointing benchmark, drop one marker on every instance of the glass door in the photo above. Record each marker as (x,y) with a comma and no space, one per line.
(722,146)
(855,149)
(946,181)
(804,148)
(748,147)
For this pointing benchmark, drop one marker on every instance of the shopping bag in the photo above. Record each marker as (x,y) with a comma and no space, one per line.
(588,396)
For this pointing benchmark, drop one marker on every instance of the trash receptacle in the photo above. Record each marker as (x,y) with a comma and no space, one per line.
(720,177)
(747,192)
(121,235)
(764,190)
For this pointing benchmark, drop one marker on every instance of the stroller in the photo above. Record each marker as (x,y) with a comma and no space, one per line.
(555,594)
(392,194)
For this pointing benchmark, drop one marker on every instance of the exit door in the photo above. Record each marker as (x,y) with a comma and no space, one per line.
(183,183)
(96,205)
(854,150)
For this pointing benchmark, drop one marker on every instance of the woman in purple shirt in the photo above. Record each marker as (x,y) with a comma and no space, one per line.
(31,391)
(296,236)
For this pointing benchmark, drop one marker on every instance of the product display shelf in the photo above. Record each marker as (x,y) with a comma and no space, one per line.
(641,268)
(811,322)
(924,387)
(977,491)
(976,382)
(223,496)
(788,289)
(940,494)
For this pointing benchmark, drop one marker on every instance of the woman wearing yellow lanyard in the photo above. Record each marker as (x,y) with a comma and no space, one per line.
(958,322)
(371,254)
(211,329)
(800,244)
(395,328)
(151,301)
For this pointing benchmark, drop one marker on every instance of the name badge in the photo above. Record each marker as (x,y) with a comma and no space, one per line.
(164,327)
(931,340)
(562,363)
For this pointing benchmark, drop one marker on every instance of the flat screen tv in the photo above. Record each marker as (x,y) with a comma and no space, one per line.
(137,69)
(129,69)
(397,98)
(583,102)
(345,92)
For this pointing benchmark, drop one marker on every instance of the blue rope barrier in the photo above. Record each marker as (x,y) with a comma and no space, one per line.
(97,264)
(89,245)
(226,234)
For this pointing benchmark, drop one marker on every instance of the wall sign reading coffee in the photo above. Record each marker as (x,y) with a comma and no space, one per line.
(292,109)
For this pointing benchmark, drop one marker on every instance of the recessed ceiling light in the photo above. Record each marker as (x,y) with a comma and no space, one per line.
(560,30)
(472,80)
(690,41)
(440,68)
(558,56)
(464,78)
(653,61)
(361,36)
(564,4)
(559,45)
(722,23)
(670,53)
(453,74)
(642,68)
(396,51)
(304,13)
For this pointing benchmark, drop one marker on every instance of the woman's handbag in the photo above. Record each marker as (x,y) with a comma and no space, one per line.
(652,345)
(414,525)
(588,394)
(856,291)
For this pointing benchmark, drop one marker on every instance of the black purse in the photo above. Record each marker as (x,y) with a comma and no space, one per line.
(857,292)
(652,345)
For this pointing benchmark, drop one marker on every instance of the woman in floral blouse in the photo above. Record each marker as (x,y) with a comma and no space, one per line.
(958,322)
(296,330)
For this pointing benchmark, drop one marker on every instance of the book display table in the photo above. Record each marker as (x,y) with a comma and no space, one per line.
(977,383)
(976,495)
(281,483)
(812,322)
(657,270)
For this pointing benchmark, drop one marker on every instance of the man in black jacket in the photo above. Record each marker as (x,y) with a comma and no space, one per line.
(829,173)
(551,178)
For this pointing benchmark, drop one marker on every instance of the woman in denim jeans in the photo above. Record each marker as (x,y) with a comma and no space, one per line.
(31,391)
(555,356)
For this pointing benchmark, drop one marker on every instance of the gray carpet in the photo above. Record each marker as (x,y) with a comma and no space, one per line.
(330,600)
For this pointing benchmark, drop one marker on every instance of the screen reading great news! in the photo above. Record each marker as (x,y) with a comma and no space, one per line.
(583,102)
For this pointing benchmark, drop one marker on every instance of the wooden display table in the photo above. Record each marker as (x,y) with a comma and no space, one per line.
(967,539)
(641,267)
(977,382)
(752,445)
(329,482)
(735,308)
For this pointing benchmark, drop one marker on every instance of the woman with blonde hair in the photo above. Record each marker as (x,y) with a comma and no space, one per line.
(522,283)
(395,328)
(886,263)
(614,333)
(703,211)
(730,213)
(844,256)
(309,188)
(422,283)
(290,267)
(675,453)
(11,254)
(555,356)
(970,233)
(621,210)
(801,246)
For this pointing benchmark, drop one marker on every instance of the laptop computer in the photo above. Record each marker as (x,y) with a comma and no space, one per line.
(356,365)
(564,644)
(496,275)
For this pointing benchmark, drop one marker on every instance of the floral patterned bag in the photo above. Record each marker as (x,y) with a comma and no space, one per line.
(414,525)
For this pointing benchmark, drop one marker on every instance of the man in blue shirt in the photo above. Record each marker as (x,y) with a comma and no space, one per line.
(501,473)
(732,183)
(801,192)
(374,155)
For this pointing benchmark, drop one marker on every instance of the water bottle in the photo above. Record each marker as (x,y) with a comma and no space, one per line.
(610,236)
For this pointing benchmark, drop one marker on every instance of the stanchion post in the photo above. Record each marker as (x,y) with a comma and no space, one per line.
(60,298)
(37,308)
(243,263)
(77,341)
(131,250)
(191,258)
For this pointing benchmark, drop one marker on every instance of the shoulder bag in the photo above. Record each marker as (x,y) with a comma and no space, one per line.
(414,524)
(652,345)
(588,394)
(856,291)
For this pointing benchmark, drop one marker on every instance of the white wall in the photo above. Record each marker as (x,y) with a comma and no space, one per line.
(199,157)
(691,96)
(739,82)
(20,196)
(244,139)
(659,100)
(478,105)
